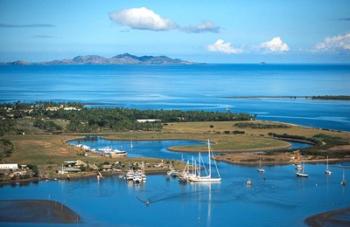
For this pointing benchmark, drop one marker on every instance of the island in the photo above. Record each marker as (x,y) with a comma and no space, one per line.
(35,137)
(121,59)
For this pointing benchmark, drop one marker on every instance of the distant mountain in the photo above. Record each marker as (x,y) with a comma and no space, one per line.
(121,59)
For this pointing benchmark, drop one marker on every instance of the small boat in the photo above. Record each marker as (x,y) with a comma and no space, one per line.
(343,181)
(108,150)
(129,175)
(301,173)
(249,183)
(172,173)
(327,171)
(260,169)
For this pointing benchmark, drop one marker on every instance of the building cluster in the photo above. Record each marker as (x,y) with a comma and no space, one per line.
(62,107)
(14,171)
(77,166)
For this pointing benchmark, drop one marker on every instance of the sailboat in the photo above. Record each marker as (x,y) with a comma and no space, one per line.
(343,181)
(301,173)
(260,169)
(327,171)
(196,177)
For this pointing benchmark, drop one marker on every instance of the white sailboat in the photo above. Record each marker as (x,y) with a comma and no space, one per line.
(196,177)
(327,171)
(301,173)
(260,169)
(343,181)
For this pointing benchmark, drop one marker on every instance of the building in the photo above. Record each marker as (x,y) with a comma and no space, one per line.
(9,166)
(148,120)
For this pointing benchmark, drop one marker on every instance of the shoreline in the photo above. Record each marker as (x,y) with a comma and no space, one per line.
(280,163)
(72,177)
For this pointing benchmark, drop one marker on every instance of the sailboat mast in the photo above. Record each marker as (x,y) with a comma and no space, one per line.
(209,158)
(199,164)
(327,162)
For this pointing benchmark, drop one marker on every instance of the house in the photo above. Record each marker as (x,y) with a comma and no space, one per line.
(9,166)
(106,167)
(71,108)
(77,164)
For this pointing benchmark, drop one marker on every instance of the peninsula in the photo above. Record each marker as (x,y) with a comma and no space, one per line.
(36,136)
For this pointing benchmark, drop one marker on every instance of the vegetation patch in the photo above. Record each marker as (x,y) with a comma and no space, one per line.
(81,119)
(256,125)
(6,148)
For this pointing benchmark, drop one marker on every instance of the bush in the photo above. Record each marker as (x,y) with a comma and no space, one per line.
(256,125)
(35,169)
(46,125)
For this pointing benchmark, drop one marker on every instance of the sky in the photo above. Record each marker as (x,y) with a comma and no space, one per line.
(220,31)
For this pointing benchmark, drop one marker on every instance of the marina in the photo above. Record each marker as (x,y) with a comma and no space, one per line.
(276,191)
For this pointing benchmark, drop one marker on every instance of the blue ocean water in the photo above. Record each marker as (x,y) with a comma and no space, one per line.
(191,87)
(277,198)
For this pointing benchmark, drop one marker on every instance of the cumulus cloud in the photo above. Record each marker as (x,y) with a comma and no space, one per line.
(335,43)
(223,47)
(141,18)
(206,26)
(2,25)
(275,45)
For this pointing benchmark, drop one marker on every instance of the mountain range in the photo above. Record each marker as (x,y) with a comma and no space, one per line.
(121,59)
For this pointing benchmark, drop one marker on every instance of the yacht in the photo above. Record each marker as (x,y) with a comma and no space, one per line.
(301,173)
(109,150)
(196,176)
(129,175)
(260,169)
(327,171)
(343,181)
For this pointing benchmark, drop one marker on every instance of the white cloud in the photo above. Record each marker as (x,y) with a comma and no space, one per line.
(275,45)
(141,18)
(206,26)
(335,43)
(223,47)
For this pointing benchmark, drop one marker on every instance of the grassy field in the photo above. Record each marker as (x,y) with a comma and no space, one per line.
(44,150)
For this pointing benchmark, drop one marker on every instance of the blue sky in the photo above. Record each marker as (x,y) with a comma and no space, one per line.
(244,31)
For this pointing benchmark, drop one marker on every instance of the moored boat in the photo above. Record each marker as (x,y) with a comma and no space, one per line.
(327,171)
(301,173)
(196,176)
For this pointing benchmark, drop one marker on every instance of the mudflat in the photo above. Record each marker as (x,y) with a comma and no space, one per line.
(338,217)
(37,211)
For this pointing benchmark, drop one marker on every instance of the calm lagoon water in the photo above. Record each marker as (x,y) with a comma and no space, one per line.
(192,87)
(277,198)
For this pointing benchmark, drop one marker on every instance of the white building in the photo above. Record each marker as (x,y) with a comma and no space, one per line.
(148,120)
(9,166)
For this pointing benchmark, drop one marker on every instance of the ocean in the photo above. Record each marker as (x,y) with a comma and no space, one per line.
(277,198)
(191,87)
